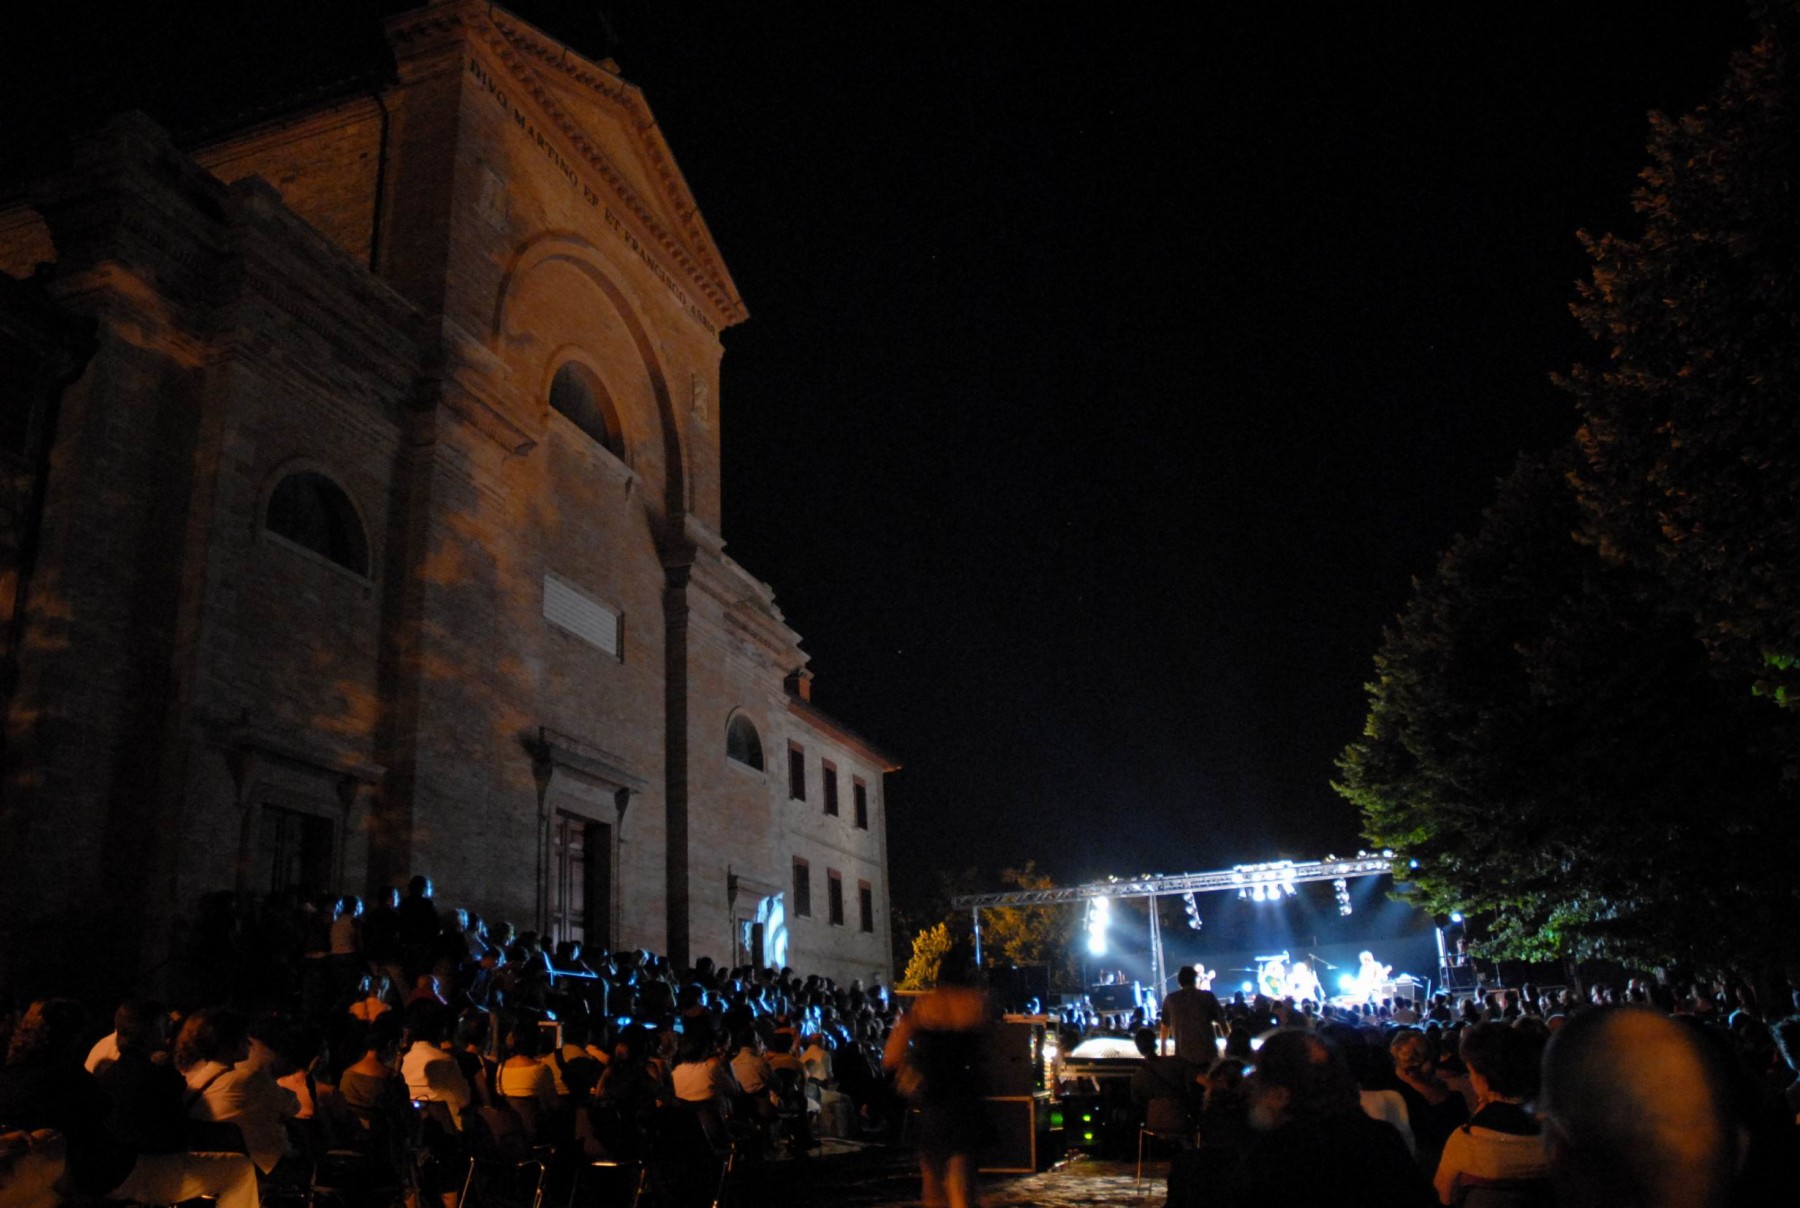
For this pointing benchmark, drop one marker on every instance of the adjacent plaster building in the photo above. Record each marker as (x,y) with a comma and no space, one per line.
(362,518)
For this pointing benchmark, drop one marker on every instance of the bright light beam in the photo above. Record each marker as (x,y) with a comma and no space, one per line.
(1099,915)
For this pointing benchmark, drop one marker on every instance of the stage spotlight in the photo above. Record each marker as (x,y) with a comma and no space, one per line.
(1192,905)
(1249,988)
(1243,895)
(1341,889)
(1287,887)
(1347,983)
(1099,915)
(1456,916)
(1256,892)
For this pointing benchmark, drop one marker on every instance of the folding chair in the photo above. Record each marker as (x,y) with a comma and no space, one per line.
(502,1163)
(631,1177)
(1164,1120)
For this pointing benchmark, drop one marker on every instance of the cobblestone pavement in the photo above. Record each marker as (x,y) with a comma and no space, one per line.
(880,1176)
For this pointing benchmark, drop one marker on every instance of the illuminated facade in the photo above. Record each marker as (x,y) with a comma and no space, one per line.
(363,519)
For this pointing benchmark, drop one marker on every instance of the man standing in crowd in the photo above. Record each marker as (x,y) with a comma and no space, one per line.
(1195,1019)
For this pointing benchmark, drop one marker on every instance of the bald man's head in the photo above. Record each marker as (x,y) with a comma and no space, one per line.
(1637,1111)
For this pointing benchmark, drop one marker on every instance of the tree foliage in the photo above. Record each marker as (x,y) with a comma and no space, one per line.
(1690,429)
(1030,935)
(929,948)
(1547,740)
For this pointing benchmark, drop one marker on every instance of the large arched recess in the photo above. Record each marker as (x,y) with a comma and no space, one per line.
(574,252)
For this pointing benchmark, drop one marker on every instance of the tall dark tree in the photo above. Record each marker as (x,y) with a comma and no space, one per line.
(1691,427)
(1547,740)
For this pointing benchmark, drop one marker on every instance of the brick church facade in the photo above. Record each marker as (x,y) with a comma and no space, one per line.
(361,518)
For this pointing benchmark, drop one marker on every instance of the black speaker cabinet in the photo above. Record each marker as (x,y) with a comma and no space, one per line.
(1015,1056)
(1022,1128)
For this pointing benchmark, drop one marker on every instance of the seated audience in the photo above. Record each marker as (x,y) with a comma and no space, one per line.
(431,1074)
(43,1086)
(1314,1140)
(1159,1077)
(224,1088)
(1501,1143)
(1433,1109)
(522,1074)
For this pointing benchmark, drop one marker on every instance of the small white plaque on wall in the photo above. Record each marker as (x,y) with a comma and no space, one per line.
(589,620)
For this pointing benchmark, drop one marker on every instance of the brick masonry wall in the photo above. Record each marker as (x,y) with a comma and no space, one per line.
(185,664)
(326,166)
(827,843)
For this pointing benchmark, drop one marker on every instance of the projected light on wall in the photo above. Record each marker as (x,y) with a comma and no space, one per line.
(772,915)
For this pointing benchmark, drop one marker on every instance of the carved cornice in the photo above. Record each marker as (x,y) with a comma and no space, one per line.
(241,734)
(828,726)
(436,26)
(524,52)
(744,885)
(555,749)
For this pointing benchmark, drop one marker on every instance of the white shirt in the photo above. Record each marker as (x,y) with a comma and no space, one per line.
(703,1081)
(103,1054)
(528,1082)
(1389,1106)
(752,1071)
(250,1099)
(1486,1154)
(432,1076)
(817,1060)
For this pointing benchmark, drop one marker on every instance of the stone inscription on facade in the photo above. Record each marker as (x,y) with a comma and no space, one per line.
(662,274)
(533,134)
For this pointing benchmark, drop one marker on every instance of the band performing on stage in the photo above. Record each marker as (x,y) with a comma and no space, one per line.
(1276,975)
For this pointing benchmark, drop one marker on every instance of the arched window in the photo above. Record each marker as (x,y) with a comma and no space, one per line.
(579,395)
(742,742)
(313,512)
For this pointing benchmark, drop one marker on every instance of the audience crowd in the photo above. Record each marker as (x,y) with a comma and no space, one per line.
(378,1050)
(1653,1093)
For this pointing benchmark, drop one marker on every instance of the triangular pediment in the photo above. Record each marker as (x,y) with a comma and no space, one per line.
(607,123)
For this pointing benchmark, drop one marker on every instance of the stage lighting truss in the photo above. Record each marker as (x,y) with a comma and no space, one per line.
(1277,875)
(1269,882)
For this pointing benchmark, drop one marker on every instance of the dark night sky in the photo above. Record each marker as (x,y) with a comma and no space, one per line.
(1109,374)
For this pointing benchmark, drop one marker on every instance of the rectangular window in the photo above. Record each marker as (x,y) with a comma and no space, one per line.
(297,850)
(859,797)
(796,773)
(865,906)
(573,612)
(830,778)
(802,888)
(835,885)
